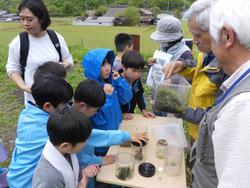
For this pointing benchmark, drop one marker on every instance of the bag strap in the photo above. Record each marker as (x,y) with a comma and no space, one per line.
(24,50)
(56,43)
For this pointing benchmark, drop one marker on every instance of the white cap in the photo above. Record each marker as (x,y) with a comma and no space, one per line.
(168,29)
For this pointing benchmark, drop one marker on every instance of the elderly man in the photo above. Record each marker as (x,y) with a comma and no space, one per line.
(205,74)
(223,146)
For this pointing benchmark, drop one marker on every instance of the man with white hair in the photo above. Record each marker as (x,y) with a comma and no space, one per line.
(223,146)
(206,74)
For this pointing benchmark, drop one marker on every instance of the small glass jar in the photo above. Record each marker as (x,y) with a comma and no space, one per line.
(161,148)
(138,150)
(125,163)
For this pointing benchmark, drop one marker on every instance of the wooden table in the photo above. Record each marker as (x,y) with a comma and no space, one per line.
(107,173)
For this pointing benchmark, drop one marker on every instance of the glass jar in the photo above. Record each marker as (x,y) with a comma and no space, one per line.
(138,150)
(173,160)
(161,147)
(125,163)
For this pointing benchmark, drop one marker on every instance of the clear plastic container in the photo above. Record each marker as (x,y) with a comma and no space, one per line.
(125,163)
(173,160)
(172,132)
(170,95)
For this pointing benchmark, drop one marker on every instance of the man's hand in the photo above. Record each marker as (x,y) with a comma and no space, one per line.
(127,116)
(108,89)
(147,114)
(108,159)
(173,68)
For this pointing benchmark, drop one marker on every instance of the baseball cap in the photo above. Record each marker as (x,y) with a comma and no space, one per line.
(168,29)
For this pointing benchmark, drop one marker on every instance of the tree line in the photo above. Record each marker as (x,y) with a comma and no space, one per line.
(79,7)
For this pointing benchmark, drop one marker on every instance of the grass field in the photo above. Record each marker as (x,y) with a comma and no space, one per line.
(89,36)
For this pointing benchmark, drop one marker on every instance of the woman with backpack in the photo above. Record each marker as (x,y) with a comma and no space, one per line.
(35,46)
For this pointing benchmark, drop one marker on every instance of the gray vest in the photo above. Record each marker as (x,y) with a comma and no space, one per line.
(204,168)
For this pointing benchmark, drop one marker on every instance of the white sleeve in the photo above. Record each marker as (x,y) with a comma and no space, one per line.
(66,56)
(232,143)
(13,64)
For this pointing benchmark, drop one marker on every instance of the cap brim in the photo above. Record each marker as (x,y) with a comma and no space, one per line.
(166,37)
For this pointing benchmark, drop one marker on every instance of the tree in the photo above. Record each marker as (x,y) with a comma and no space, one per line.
(53,10)
(101,10)
(156,10)
(133,15)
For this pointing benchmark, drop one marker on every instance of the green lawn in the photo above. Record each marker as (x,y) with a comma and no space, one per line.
(89,36)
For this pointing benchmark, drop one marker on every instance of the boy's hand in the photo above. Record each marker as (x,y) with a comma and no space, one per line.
(108,159)
(90,171)
(147,114)
(151,61)
(127,116)
(115,75)
(138,137)
(108,89)
(172,68)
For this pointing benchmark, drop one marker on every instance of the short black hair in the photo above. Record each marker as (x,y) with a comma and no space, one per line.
(38,8)
(133,59)
(68,125)
(51,88)
(50,68)
(91,93)
(122,40)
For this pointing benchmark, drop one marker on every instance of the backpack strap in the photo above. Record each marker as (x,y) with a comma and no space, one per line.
(24,50)
(55,41)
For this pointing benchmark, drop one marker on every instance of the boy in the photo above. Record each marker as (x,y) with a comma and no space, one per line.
(97,65)
(132,68)
(50,68)
(123,43)
(58,167)
(31,128)
(89,97)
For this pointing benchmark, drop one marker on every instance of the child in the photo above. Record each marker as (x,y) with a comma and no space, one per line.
(31,129)
(89,97)
(97,66)
(58,167)
(123,43)
(132,68)
(50,68)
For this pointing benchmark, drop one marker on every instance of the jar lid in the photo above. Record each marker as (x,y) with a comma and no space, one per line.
(146,169)
(137,144)
(162,142)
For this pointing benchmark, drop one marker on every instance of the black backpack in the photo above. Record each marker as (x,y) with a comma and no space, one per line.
(24,48)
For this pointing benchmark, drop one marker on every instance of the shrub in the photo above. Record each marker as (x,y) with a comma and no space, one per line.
(133,16)
(101,10)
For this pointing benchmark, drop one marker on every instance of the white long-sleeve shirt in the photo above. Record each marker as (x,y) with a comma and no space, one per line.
(231,138)
(41,50)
